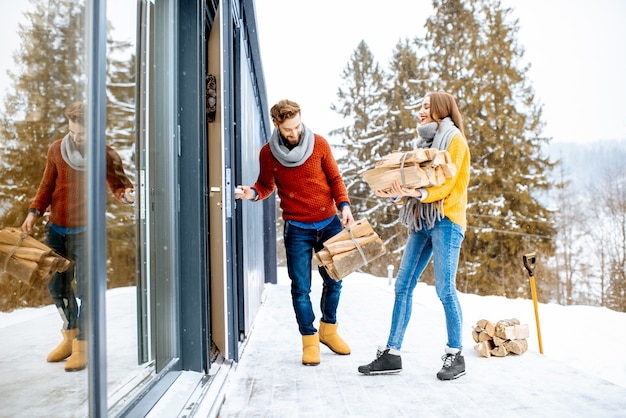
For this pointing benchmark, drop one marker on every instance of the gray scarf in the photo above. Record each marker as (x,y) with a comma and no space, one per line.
(71,154)
(297,155)
(414,213)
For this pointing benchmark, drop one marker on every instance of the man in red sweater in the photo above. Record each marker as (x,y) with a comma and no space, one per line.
(301,166)
(62,188)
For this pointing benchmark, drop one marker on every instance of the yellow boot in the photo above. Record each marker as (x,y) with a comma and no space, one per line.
(64,349)
(310,350)
(330,338)
(78,359)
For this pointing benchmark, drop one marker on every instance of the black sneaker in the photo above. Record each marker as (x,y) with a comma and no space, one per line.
(453,366)
(385,363)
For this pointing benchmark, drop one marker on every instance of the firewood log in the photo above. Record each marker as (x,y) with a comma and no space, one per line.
(396,159)
(349,262)
(484,348)
(348,245)
(503,324)
(498,341)
(350,249)
(418,168)
(11,236)
(22,269)
(360,228)
(507,336)
(24,253)
(487,326)
(499,351)
(516,346)
(25,258)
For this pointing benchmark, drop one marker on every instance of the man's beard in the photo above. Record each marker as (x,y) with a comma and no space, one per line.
(80,147)
(290,144)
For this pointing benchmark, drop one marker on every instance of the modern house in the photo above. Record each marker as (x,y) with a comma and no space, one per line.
(202,116)
(202,258)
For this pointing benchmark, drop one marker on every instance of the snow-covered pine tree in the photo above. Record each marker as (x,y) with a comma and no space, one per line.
(48,74)
(364,139)
(406,88)
(472,48)
(610,200)
(120,132)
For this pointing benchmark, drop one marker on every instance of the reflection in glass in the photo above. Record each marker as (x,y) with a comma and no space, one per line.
(42,371)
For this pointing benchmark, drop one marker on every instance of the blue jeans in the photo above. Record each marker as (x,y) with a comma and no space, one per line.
(60,286)
(300,243)
(443,243)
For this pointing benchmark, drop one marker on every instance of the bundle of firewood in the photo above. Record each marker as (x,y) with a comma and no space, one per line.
(25,258)
(349,250)
(422,167)
(504,337)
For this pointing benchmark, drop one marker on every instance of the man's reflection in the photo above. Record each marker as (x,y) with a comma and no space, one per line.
(62,189)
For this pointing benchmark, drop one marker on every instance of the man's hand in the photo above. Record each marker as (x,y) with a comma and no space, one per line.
(244,192)
(29,223)
(346,216)
(129,195)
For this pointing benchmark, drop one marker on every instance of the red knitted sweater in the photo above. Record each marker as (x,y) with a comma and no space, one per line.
(310,192)
(63,188)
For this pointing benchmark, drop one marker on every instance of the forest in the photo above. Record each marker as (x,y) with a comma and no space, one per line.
(523,196)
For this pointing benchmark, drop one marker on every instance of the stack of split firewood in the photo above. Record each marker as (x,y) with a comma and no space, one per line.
(25,258)
(506,336)
(349,250)
(422,167)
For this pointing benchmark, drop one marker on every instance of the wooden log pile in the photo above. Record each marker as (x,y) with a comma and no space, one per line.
(350,250)
(506,336)
(25,258)
(422,167)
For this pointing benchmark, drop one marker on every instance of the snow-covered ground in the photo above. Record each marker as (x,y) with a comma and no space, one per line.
(577,376)
(582,337)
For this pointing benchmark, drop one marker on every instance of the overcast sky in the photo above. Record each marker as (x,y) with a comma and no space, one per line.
(577,50)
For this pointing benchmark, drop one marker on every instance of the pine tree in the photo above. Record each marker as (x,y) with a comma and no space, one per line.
(120,134)
(364,139)
(48,75)
(570,244)
(403,97)
(474,54)
(610,204)
(402,101)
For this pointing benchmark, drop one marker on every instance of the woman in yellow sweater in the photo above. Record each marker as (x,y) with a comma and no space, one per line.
(435,217)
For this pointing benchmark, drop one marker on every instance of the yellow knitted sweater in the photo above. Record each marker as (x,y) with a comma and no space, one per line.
(454,190)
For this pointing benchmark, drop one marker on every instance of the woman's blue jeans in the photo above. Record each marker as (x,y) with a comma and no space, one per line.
(300,243)
(443,243)
(60,286)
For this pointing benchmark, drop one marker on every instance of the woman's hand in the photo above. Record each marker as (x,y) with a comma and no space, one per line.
(386,193)
(398,189)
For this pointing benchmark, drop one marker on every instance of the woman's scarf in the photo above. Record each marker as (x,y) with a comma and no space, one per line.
(414,213)
(297,155)
(71,155)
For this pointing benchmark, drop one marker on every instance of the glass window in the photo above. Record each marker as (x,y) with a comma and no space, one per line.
(43,217)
